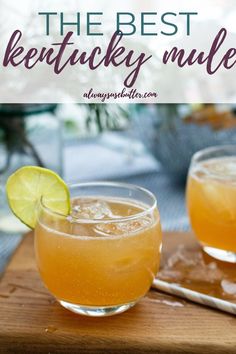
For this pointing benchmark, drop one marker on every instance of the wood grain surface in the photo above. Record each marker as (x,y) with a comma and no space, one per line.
(31,321)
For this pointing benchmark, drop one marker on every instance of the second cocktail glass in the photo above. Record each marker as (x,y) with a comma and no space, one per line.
(211,200)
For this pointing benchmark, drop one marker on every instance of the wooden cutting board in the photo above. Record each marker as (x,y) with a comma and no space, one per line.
(32,322)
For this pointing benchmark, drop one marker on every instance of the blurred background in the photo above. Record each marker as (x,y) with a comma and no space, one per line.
(148,145)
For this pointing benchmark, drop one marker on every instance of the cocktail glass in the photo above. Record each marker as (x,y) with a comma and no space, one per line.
(211,200)
(101,259)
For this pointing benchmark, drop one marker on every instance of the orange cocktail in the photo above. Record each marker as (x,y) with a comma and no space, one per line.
(103,257)
(211,200)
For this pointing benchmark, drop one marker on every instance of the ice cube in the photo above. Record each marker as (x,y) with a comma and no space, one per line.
(228,287)
(92,209)
(219,167)
(189,264)
(123,228)
(107,229)
(225,166)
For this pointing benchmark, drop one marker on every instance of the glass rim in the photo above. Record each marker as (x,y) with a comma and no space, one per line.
(130,186)
(196,158)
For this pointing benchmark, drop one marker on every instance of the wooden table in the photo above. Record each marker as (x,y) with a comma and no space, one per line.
(32,322)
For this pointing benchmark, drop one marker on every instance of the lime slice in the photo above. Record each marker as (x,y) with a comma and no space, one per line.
(28,185)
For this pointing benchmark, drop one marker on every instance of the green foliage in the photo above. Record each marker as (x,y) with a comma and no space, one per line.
(107,116)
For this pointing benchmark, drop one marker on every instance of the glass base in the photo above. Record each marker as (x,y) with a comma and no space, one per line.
(222,255)
(96,311)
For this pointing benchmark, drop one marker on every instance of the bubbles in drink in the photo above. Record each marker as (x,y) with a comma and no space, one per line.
(100,267)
